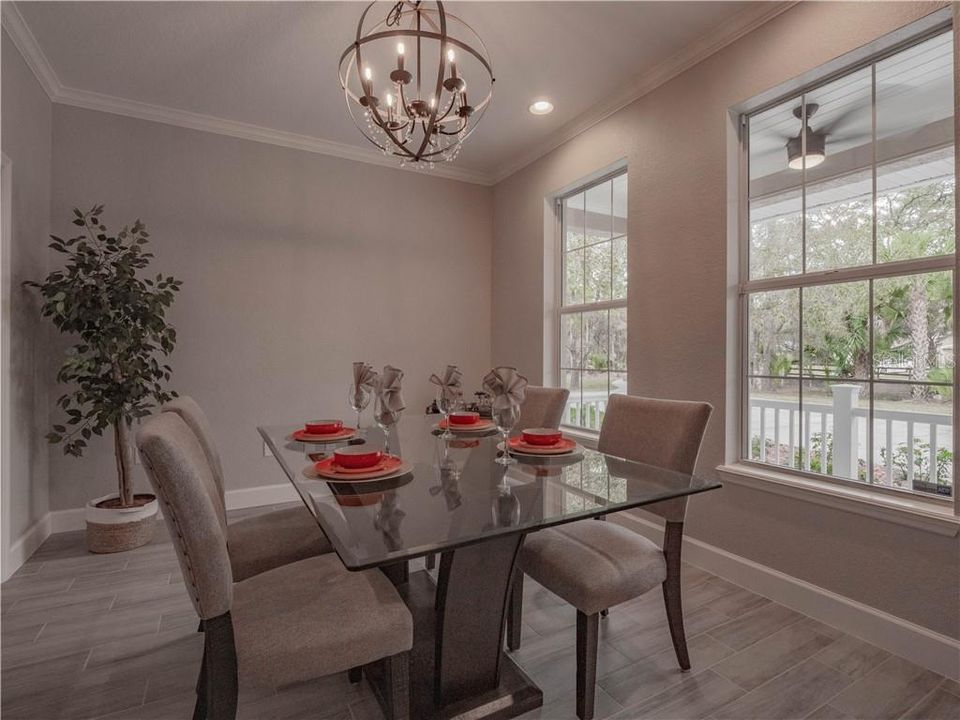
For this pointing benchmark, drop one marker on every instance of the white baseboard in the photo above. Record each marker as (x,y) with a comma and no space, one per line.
(916,643)
(259,496)
(25,546)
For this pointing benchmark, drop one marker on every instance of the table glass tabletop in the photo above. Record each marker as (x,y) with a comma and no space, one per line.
(452,493)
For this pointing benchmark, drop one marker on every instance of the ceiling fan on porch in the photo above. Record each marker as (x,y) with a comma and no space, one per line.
(809,147)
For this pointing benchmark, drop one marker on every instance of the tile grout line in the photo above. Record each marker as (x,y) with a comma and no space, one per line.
(920,701)
(853,682)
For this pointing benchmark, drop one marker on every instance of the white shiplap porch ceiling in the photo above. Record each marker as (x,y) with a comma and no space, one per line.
(267,71)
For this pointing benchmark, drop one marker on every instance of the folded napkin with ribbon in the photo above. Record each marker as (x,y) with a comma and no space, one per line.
(388,390)
(506,385)
(364,378)
(450,383)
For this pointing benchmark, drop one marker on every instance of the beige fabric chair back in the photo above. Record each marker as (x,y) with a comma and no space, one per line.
(542,407)
(178,470)
(663,433)
(186,407)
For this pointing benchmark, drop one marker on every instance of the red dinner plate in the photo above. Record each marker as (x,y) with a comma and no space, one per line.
(303,436)
(329,470)
(564,446)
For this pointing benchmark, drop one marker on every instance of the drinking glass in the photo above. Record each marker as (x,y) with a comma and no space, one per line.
(385,419)
(447,401)
(358,399)
(506,419)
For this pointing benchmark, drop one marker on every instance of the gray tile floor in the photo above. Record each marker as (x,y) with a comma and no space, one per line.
(88,636)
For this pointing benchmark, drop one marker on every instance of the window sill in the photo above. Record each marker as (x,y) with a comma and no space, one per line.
(587,438)
(910,511)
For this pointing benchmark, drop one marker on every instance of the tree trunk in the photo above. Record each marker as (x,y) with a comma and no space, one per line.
(919,335)
(122,453)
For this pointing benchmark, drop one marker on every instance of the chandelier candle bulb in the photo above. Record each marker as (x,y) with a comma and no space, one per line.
(400,58)
(451,58)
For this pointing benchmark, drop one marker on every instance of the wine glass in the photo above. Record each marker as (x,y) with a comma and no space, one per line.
(358,398)
(506,419)
(385,419)
(447,401)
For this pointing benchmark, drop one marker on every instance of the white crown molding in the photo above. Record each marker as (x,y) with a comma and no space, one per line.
(726,33)
(735,28)
(246,131)
(29,48)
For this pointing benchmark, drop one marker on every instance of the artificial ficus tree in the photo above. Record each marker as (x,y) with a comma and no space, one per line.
(103,299)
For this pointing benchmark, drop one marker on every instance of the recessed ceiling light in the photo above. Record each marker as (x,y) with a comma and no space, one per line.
(541,107)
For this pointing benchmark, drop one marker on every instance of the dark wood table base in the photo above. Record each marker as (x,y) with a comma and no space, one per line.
(458,670)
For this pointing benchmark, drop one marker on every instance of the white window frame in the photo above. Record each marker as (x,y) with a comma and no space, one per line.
(806,480)
(561,310)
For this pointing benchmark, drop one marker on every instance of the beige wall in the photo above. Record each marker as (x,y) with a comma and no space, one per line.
(675,142)
(26,144)
(294,265)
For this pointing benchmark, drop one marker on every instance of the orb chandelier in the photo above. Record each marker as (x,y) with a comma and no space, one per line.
(405,81)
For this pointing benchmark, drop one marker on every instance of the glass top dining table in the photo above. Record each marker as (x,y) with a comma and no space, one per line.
(455,494)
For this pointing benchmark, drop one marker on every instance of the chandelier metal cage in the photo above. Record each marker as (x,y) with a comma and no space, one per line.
(417,115)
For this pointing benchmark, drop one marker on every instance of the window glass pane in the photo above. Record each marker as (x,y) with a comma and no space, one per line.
(620,205)
(915,206)
(913,437)
(618,339)
(597,272)
(839,187)
(835,419)
(913,328)
(840,222)
(915,173)
(618,383)
(619,253)
(836,335)
(599,212)
(775,222)
(776,235)
(570,379)
(573,277)
(571,353)
(774,342)
(573,222)
(595,393)
(595,340)
(774,421)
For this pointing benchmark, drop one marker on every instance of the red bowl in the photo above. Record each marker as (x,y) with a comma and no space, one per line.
(542,436)
(324,427)
(464,417)
(357,457)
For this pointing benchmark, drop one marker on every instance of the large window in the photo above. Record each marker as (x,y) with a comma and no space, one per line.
(593,304)
(848,300)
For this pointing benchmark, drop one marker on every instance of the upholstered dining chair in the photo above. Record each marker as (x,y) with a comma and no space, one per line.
(542,407)
(596,565)
(295,622)
(260,542)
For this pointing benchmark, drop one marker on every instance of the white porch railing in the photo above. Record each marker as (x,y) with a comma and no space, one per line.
(836,434)
(587,414)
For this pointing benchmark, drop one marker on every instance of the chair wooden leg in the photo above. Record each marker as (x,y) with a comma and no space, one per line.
(588,627)
(672,541)
(219,674)
(398,686)
(200,708)
(355,674)
(515,611)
